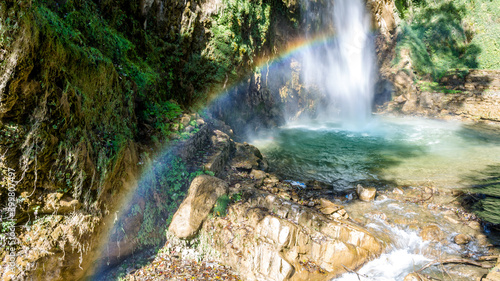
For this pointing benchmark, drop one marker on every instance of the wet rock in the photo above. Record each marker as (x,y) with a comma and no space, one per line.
(202,195)
(461,239)
(366,194)
(247,157)
(189,129)
(377,215)
(431,233)
(482,239)
(416,277)
(327,207)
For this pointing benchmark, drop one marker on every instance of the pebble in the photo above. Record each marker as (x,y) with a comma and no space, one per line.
(461,239)
(452,220)
(474,225)
(398,190)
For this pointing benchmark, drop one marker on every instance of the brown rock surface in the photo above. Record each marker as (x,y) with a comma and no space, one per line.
(265,237)
(431,233)
(366,194)
(202,195)
(461,239)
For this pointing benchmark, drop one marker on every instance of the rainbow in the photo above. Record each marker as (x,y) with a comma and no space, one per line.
(292,49)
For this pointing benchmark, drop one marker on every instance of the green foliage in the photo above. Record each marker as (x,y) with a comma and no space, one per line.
(483,30)
(78,26)
(162,114)
(237,33)
(9,25)
(236,197)
(443,35)
(435,87)
(220,207)
(437,40)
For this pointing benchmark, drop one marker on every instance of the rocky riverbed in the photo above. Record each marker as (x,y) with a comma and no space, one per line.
(248,224)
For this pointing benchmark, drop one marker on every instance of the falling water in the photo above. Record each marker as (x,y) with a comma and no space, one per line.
(344,70)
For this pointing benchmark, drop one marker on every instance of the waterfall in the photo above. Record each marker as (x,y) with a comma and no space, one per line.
(343,69)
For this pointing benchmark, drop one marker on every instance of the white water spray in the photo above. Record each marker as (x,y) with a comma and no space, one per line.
(343,70)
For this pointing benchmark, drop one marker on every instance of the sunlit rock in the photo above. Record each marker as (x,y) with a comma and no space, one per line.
(366,194)
(431,233)
(461,239)
(202,195)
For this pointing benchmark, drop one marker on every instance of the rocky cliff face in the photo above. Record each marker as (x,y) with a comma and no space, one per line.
(471,95)
(88,93)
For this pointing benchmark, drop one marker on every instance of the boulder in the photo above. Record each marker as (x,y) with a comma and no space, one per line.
(247,157)
(366,194)
(202,195)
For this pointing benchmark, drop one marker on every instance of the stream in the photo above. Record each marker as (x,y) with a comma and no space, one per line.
(411,153)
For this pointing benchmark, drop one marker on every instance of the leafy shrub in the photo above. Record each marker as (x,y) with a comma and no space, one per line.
(437,40)
(443,35)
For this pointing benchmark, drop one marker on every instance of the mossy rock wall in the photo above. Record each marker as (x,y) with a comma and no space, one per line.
(86,87)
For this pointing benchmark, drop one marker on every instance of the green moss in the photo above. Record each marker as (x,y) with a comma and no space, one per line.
(220,207)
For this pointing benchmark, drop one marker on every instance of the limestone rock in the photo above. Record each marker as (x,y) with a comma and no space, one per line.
(269,237)
(431,232)
(366,194)
(462,239)
(202,195)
